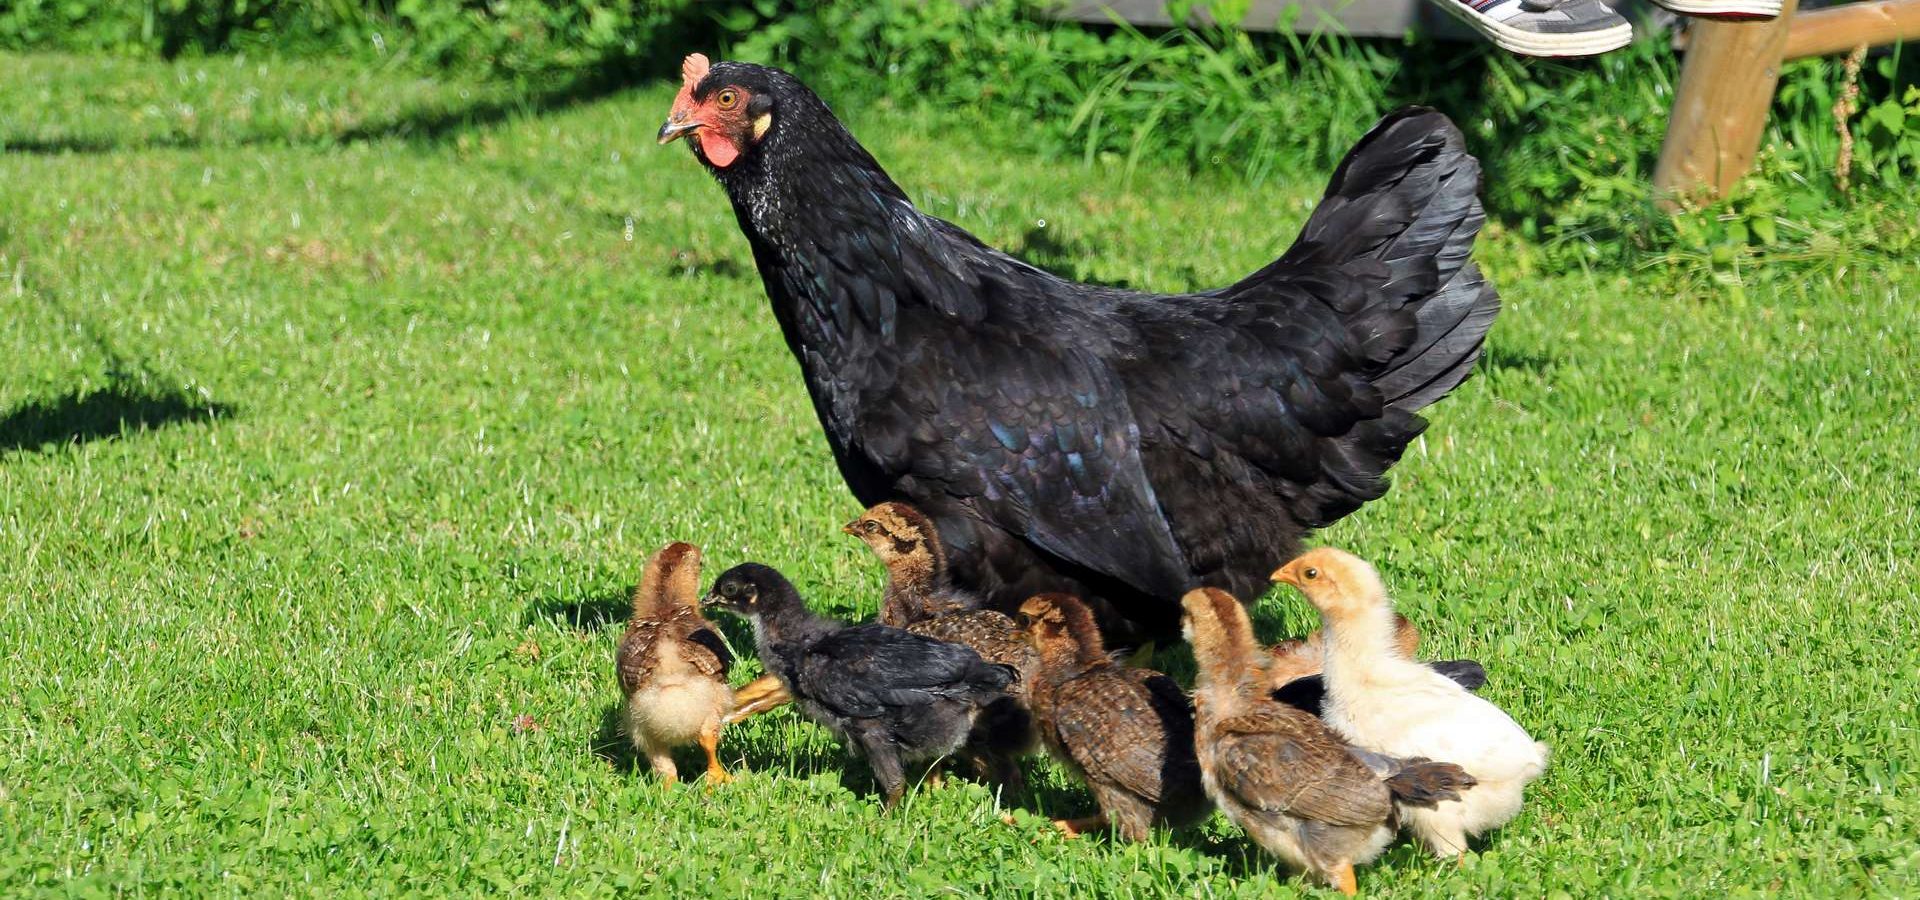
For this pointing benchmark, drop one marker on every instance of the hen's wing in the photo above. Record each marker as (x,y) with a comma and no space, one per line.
(1288,763)
(1032,433)
(1279,403)
(866,670)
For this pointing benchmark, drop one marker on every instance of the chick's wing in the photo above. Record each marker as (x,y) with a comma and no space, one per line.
(866,670)
(1113,727)
(1286,762)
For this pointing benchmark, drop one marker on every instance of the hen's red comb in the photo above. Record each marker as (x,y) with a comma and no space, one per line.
(693,69)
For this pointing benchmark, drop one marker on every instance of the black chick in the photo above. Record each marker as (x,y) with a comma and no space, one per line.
(893,697)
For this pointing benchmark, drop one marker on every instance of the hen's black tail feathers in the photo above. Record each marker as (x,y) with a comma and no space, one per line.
(1404,207)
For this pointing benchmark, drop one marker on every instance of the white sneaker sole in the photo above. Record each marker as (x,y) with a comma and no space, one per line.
(1722,9)
(1533,43)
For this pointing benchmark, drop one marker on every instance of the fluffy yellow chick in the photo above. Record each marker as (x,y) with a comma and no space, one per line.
(1382,701)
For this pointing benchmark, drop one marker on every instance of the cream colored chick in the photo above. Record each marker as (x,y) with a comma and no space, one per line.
(673,666)
(1382,701)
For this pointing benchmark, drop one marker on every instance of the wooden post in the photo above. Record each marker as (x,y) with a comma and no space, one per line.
(1840,28)
(1720,107)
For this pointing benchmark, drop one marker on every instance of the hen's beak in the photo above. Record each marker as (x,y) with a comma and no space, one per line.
(849,529)
(677,126)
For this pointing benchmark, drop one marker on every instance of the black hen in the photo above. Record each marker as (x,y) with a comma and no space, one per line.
(1116,444)
(892,696)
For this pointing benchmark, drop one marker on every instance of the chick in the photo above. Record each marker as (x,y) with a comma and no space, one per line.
(1296,664)
(1382,701)
(1280,773)
(919,597)
(909,546)
(673,666)
(893,697)
(1126,732)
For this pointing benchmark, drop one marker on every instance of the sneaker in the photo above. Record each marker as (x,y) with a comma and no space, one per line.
(1553,27)
(1724,9)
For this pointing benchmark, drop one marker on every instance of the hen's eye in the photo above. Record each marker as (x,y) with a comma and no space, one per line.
(729,98)
(1311,573)
(871,527)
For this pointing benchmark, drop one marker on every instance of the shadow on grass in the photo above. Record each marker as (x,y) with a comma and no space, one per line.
(1497,356)
(425,125)
(79,418)
(586,612)
(1067,257)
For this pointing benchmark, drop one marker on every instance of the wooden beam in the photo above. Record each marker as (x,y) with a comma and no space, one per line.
(1837,29)
(1720,107)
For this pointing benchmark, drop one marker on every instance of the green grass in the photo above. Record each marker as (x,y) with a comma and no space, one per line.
(406,407)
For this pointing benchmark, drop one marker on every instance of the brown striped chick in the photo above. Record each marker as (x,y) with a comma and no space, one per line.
(1127,732)
(673,666)
(1280,773)
(909,546)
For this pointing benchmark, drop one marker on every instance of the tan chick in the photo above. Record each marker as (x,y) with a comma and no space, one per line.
(673,666)
(1127,732)
(1380,700)
(1280,773)
(909,546)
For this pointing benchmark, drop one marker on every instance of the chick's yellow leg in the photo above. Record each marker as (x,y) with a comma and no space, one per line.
(710,742)
(1342,879)
(663,766)
(1073,828)
(757,696)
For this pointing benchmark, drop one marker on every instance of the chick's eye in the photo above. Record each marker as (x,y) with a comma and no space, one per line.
(1311,573)
(729,589)
(871,527)
(729,98)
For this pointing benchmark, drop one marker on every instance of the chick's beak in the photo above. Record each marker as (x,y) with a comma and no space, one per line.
(1286,574)
(711,599)
(849,529)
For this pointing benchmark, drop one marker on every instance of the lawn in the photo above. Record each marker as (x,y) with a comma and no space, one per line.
(339,410)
